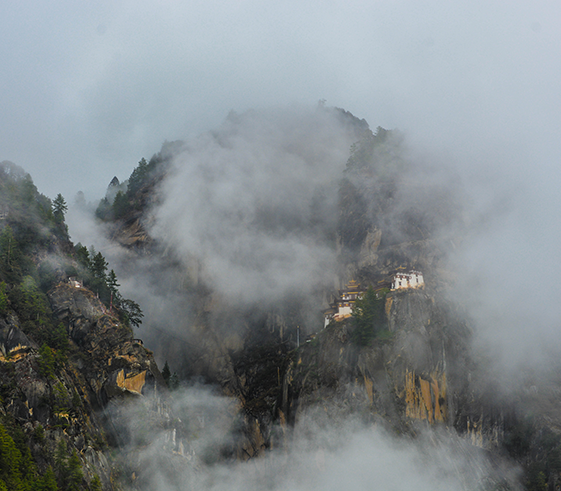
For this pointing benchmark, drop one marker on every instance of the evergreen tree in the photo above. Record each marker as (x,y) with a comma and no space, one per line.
(369,317)
(28,189)
(173,383)
(120,205)
(32,305)
(3,299)
(137,177)
(62,401)
(10,461)
(45,208)
(95,485)
(103,209)
(131,314)
(58,339)
(59,208)
(112,282)
(98,270)
(61,466)
(47,275)
(46,361)
(75,476)
(99,267)
(166,373)
(82,255)
(10,256)
(47,482)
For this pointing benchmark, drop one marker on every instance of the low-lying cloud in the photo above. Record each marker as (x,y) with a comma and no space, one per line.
(318,453)
(254,199)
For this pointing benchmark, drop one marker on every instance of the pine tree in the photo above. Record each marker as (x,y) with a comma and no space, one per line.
(99,281)
(120,205)
(10,460)
(47,482)
(137,177)
(58,339)
(59,208)
(75,475)
(112,282)
(103,209)
(369,317)
(166,373)
(10,256)
(82,255)
(173,383)
(61,466)
(99,266)
(46,361)
(131,314)
(96,484)
(3,298)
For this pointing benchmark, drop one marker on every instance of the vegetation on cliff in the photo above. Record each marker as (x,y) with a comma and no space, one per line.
(93,271)
(129,198)
(51,350)
(369,316)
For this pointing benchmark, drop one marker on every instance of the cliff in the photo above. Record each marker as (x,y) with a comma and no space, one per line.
(415,367)
(402,376)
(66,398)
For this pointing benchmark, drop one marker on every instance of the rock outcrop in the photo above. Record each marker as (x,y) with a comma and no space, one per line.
(82,398)
(404,375)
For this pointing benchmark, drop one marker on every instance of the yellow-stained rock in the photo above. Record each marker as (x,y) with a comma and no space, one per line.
(132,383)
(425,399)
(389,301)
(368,386)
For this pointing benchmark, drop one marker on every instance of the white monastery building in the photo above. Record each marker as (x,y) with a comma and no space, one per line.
(413,279)
(343,307)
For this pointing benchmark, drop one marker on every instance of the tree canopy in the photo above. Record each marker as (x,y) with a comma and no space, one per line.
(369,317)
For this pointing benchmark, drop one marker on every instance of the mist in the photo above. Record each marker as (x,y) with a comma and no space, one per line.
(248,212)
(318,453)
(255,199)
(90,89)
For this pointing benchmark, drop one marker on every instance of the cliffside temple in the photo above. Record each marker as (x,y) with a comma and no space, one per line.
(413,279)
(342,307)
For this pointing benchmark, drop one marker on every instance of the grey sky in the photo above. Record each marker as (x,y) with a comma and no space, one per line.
(88,88)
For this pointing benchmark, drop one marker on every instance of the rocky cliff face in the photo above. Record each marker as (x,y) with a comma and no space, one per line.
(414,371)
(115,362)
(417,372)
(80,402)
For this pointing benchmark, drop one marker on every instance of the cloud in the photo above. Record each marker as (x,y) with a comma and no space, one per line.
(241,199)
(90,89)
(318,453)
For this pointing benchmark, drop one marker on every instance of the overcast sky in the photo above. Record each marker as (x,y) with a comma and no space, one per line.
(88,88)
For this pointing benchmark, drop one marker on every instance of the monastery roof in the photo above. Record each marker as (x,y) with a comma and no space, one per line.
(352,287)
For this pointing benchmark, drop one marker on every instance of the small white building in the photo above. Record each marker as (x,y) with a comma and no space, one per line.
(75,282)
(343,307)
(413,279)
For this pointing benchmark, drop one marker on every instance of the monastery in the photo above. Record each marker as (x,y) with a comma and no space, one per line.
(342,307)
(413,279)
